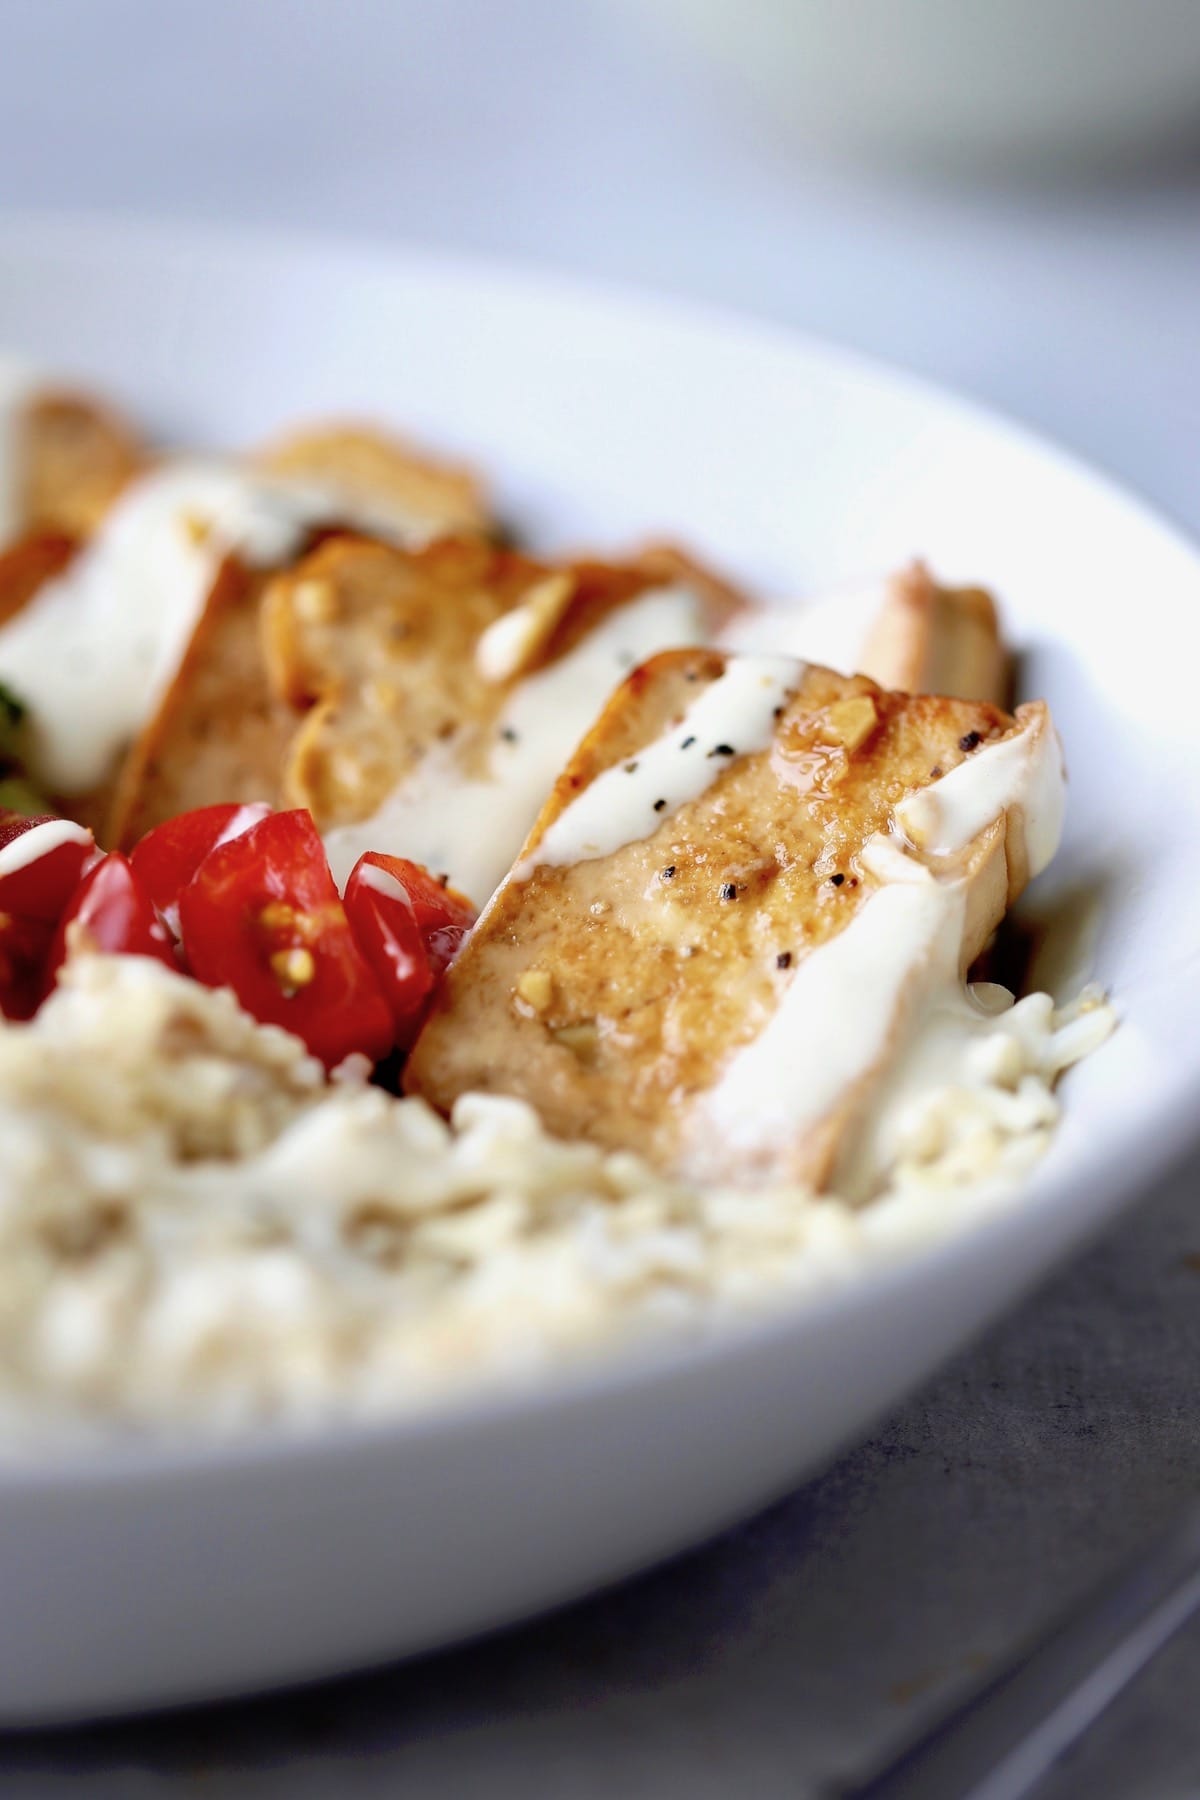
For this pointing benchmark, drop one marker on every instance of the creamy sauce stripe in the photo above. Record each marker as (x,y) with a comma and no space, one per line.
(733,716)
(94,650)
(830,630)
(39,841)
(836,1015)
(472,828)
(951,812)
(888,984)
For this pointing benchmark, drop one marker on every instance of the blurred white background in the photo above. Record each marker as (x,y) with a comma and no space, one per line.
(593,137)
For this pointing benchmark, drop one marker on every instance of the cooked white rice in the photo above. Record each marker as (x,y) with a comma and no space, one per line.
(196,1230)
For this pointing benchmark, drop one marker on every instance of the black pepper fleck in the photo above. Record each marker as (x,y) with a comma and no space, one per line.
(508,734)
(935,772)
(668,872)
(660,805)
(687,743)
(443,880)
(778,712)
(631,768)
(837,880)
(729,890)
(784,960)
(722,750)
(970,740)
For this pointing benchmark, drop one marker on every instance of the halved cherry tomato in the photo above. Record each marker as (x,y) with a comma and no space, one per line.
(24,946)
(410,928)
(110,910)
(167,857)
(263,916)
(41,862)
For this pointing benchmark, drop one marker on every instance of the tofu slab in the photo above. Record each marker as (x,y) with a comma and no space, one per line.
(78,456)
(388,487)
(446,687)
(219,733)
(707,852)
(931,639)
(912,633)
(64,459)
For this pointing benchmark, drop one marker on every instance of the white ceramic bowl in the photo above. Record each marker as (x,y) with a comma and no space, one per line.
(146,1576)
(950,80)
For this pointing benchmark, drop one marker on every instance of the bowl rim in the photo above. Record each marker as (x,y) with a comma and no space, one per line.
(1095,1180)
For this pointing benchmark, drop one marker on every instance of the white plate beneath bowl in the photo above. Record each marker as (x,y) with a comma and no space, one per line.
(152,1575)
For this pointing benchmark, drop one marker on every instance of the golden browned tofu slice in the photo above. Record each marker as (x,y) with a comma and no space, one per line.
(218,733)
(739,894)
(27,564)
(446,687)
(931,639)
(378,648)
(388,487)
(417,701)
(69,458)
(913,634)
(77,457)
(252,713)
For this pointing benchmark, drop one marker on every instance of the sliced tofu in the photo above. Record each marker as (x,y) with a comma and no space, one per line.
(241,720)
(101,634)
(719,929)
(416,701)
(64,458)
(446,687)
(78,456)
(26,566)
(915,635)
(378,649)
(385,486)
(930,639)
(218,733)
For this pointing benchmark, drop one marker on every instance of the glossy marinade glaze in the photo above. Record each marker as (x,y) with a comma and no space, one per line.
(714,980)
(470,825)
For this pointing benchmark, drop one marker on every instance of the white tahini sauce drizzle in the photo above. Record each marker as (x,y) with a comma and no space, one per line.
(830,629)
(384,882)
(472,828)
(93,651)
(18,385)
(39,841)
(891,978)
(837,1015)
(731,717)
(955,809)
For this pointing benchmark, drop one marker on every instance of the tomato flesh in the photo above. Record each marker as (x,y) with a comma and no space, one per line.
(111,911)
(41,862)
(262,915)
(410,928)
(167,858)
(24,947)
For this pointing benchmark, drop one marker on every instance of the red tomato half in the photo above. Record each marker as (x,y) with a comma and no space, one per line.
(24,945)
(167,857)
(110,910)
(410,928)
(41,862)
(264,917)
